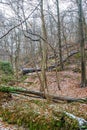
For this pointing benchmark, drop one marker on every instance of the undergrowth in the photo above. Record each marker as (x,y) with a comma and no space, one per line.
(31,115)
(6,67)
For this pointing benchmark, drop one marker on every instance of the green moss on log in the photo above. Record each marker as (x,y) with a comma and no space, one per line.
(4,88)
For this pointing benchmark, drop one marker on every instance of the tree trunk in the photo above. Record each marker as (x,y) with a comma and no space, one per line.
(44,51)
(40,94)
(59,35)
(81,37)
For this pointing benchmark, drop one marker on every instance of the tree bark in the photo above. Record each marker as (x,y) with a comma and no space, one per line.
(82,46)
(59,35)
(44,51)
(41,94)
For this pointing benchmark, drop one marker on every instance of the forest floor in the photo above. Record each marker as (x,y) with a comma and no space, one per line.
(6,126)
(69,81)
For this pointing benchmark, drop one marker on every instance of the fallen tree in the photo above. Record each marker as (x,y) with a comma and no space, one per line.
(82,122)
(25,92)
(31,70)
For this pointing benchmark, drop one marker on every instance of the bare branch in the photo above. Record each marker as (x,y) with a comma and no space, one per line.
(20,22)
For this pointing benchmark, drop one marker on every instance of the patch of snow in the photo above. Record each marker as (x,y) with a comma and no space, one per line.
(81,121)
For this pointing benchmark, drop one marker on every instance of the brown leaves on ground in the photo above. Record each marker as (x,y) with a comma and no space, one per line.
(69,83)
(70,86)
(4,97)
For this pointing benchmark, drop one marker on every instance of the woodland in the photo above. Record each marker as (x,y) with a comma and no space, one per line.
(43,69)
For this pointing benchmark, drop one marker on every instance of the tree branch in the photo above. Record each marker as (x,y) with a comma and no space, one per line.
(19,23)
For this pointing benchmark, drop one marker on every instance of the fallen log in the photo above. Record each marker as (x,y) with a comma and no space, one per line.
(82,122)
(40,94)
(31,70)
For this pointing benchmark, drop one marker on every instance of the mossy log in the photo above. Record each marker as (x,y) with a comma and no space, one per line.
(25,92)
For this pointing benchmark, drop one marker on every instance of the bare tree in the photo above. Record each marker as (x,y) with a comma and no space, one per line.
(44,50)
(82,46)
(59,34)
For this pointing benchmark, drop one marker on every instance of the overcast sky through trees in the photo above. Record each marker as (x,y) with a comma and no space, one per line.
(9,13)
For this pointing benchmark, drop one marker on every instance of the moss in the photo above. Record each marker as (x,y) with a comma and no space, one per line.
(8,89)
(27,117)
(6,67)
